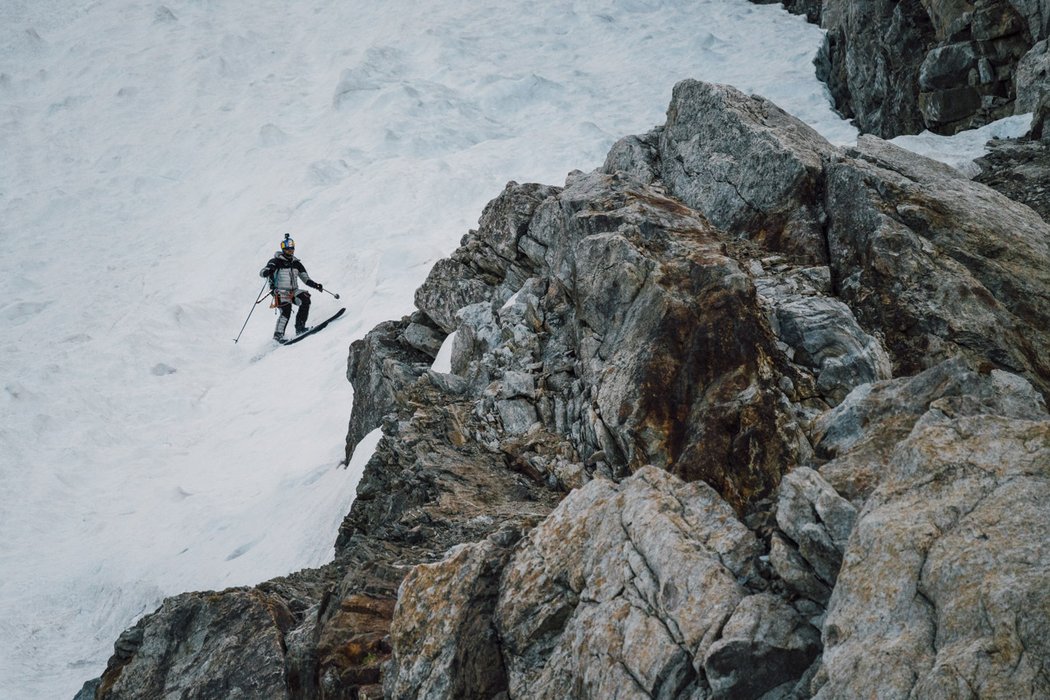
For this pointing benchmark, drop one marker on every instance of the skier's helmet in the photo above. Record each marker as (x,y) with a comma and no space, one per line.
(288,245)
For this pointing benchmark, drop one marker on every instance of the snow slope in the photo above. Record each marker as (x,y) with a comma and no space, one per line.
(151,157)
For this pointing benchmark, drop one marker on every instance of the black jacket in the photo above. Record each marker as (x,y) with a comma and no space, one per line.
(285,271)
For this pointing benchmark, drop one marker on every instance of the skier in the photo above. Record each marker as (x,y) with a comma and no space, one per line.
(285,270)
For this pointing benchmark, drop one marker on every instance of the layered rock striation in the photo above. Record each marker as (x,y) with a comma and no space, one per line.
(739,414)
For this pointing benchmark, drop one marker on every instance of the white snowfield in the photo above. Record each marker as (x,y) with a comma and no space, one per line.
(151,158)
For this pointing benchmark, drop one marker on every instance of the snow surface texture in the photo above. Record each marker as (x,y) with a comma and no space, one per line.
(151,157)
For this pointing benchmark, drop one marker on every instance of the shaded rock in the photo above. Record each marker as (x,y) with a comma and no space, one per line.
(1036,15)
(380,365)
(454,654)
(352,642)
(1021,169)
(764,644)
(947,106)
(952,65)
(820,332)
(817,519)
(796,573)
(424,337)
(879,91)
(943,582)
(947,67)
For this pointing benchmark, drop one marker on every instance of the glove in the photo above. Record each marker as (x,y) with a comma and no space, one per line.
(320,288)
(316,285)
(266,271)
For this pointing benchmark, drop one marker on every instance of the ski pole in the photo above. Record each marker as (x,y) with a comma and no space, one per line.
(333,294)
(261,297)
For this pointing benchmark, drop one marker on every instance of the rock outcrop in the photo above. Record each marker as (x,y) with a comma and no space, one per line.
(738,415)
(944,65)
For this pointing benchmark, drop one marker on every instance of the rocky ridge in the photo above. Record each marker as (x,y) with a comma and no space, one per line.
(944,65)
(738,415)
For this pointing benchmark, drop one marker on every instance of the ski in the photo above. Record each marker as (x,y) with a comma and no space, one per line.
(312,329)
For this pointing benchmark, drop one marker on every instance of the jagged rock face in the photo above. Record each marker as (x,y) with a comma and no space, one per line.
(704,436)
(635,591)
(629,365)
(935,276)
(871,62)
(392,355)
(232,640)
(942,65)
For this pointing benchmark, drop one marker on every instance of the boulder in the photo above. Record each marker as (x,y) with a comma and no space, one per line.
(747,166)
(859,435)
(623,589)
(943,586)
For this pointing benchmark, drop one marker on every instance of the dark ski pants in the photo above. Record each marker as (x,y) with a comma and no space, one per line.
(302,299)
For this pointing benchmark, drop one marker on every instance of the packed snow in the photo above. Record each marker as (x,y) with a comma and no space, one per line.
(151,158)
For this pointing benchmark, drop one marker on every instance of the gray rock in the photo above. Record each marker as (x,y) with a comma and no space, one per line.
(747,165)
(796,573)
(1036,14)
(817,519)
(949,106)
(860,434)
(821,332)
(947,67)
(1020,169)
(944,581)
(380,365)
(485,258)
(634,156)
(879,90)
(88,690)
(203,644)
(1033,77)
(517,415)
(951,67)
(424,338)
